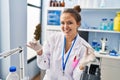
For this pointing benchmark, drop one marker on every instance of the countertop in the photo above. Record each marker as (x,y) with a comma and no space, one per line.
(101,55)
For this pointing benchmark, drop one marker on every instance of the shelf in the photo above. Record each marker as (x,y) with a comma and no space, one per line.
(93,30)
(57,28)
(98,54)
(85,9)
(104,8)
(101,8)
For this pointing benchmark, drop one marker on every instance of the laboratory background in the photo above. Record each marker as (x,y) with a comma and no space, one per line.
(100,26)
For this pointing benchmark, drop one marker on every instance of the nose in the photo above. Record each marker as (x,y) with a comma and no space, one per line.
(65,25)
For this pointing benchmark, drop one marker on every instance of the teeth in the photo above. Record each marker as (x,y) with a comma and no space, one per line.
(66,31)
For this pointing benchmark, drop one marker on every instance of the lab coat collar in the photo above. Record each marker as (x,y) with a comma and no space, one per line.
(77,43)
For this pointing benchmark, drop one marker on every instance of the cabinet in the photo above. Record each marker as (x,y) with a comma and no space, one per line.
(110,69)
(92,17)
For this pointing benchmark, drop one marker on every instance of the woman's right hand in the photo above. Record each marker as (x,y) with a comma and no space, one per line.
(35,45)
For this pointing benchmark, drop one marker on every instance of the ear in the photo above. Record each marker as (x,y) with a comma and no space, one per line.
(79,23)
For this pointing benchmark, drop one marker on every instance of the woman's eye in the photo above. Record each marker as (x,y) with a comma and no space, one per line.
(69,23)
(62,23)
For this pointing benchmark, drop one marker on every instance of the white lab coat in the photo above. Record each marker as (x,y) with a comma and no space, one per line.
(51,59)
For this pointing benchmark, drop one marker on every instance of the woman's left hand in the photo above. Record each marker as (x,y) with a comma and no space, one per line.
(87,57)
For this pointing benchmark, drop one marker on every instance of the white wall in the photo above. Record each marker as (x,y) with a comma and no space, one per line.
(5,39)
(0,34)
(0,24)
(13,31)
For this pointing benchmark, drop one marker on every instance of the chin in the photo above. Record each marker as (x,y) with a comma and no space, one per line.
(66,34)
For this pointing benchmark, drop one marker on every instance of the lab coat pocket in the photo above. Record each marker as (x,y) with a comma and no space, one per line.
(77,57)
(75,62)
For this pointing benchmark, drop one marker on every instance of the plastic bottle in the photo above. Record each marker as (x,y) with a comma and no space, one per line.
(104,24)
(50,3)
(12,74)
(117,22)
(101,24)
(98,47)
(102,3)
(53,3)
(94,44)
(56,3)
(59,4)
(110,25)
(63,3)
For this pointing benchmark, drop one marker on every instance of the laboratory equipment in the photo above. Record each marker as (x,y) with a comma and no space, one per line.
(94,44)
(84,75)
(98,47)
(13,52)
(91,73)
(12,74)
(103,41)
(110,25)
(97,74)
(113,53)
(63,3)
(104,24)
(50,3)
(117,22)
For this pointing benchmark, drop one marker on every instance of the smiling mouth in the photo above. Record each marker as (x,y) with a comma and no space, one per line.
(67,31)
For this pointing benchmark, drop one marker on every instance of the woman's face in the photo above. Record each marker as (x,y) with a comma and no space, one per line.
(69,25)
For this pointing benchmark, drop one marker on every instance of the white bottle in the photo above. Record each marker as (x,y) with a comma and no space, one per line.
(12,74)
(102,3)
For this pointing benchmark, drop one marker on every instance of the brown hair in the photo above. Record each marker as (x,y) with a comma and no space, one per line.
(37,32)
(75,12)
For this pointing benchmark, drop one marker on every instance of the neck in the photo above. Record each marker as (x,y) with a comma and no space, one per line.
(70,38)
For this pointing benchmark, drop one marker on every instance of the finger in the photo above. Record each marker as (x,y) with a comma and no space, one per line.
(32,43)
(89,47)
(86,52)
(28,45)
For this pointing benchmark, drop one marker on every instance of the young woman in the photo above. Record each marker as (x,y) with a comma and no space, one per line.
(65,54)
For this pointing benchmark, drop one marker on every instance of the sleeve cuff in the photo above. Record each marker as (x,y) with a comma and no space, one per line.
(40,56)
(79,71)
